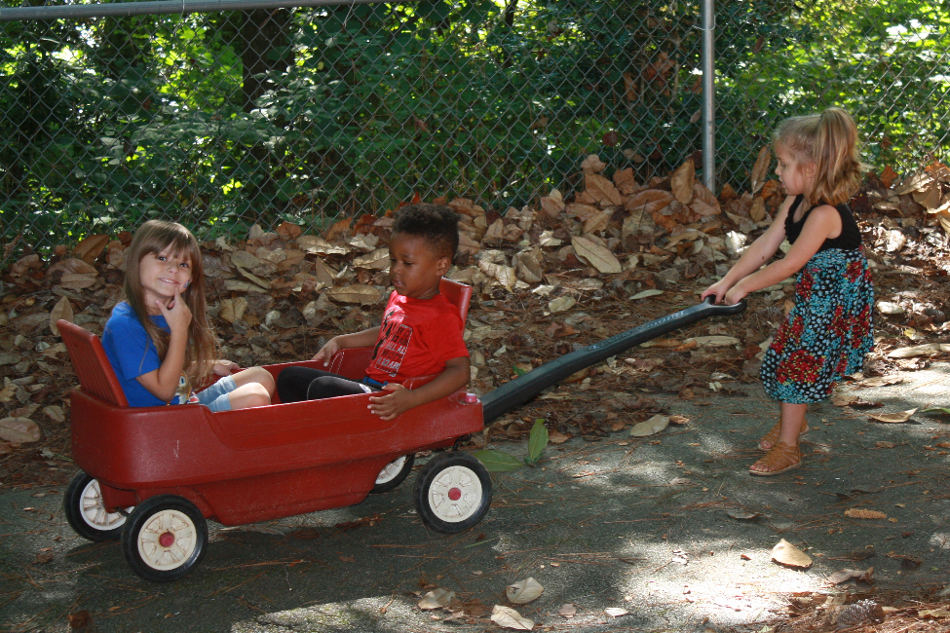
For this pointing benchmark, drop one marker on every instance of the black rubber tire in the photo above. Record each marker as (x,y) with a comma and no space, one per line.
(82,505)
(398,478)
(438,478)
(162,562)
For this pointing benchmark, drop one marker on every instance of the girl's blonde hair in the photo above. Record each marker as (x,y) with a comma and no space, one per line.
(829,141)
(153,237)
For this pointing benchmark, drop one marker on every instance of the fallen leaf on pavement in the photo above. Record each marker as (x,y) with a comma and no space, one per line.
(436,599)
(892,418)
(859,513)
(880,381)
(846,400)
(743,515)
(919,350)
(524,591)
(654,425)
(508,618)
(865,576)
(787,554)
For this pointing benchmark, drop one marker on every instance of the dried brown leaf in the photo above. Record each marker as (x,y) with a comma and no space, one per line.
(861,575)
(377,260)
(787,554)
(593,165)
(436,599)
(596,255)
(354,293)
(919,350)
(650,200)
(880,381)
(77,281)
(62,310)
(20,430)
(892,418)
(682,180)
(651,427)
(861,513)
(624,181)
(508,618)
(602,190)
(761,169)
(90,247)
(552,207)
(524,591)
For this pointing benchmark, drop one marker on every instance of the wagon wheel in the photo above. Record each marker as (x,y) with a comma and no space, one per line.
(86,514)
(453,492)
(165,538)
(393,473)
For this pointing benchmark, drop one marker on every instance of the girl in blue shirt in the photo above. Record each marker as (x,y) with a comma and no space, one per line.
(159,341)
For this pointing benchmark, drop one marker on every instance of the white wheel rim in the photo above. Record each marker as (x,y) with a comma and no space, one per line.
(391,470)
(455,494)
(93,511)
(167,540)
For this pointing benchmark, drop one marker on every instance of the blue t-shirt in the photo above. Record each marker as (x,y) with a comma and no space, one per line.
(132,353)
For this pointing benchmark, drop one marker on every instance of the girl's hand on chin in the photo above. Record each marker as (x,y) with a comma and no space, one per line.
(176,313)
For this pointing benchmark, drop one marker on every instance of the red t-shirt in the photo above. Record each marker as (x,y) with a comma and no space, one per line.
(416,337)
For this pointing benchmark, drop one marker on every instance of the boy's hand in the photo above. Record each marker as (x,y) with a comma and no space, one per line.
(177,313)
(225,367)
(397,401)
(328,351)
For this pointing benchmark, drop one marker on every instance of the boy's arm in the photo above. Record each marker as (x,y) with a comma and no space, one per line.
(366,338)
(396,399)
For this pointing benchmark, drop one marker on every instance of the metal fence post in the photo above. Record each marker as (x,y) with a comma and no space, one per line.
(709,95)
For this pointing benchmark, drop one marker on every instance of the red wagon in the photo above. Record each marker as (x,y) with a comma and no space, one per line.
(152,475)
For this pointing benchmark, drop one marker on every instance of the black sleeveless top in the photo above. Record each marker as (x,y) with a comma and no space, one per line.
(849,240)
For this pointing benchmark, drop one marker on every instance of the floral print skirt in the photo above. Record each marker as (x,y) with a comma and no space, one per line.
(827,333)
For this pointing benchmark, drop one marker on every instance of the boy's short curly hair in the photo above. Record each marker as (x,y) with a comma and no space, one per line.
(436,224)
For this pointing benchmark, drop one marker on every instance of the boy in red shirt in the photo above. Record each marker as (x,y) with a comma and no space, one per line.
(421,332)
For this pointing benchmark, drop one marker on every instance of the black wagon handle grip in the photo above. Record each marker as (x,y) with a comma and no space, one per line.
(709,303)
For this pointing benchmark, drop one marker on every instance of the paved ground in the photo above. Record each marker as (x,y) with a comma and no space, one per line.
(670,528)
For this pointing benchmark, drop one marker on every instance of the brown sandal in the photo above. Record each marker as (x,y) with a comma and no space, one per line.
(782,458)
(772,436)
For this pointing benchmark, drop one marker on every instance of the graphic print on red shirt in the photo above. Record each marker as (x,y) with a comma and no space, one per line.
(416,338)
(392,345)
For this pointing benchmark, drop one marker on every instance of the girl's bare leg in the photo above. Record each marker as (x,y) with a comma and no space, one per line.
(793,418)
(255,386)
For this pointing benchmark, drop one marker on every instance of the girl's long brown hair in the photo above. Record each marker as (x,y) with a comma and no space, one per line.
(829,141)
(154,237)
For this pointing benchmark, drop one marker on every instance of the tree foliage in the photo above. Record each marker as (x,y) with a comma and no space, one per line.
(232,118)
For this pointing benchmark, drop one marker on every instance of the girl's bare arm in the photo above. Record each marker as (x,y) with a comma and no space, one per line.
(163,382)
(822,223)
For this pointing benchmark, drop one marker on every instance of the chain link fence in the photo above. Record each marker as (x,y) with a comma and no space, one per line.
(227,119)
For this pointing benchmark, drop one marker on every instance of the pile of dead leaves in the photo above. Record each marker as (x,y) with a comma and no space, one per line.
(548,278)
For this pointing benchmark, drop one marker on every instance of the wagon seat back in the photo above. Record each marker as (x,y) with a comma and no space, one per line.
(353,362)
(91,364)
